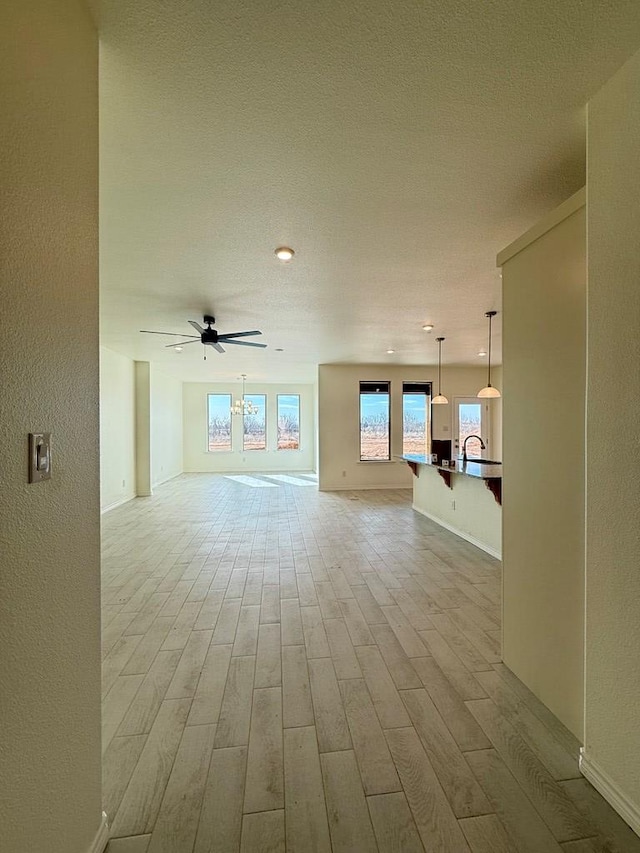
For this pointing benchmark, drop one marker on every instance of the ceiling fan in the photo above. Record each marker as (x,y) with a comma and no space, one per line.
(209,337)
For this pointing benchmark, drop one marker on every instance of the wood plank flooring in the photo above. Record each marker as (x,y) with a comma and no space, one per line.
(289,670)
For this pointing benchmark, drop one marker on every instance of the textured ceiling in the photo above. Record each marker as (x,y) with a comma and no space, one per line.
(397,146)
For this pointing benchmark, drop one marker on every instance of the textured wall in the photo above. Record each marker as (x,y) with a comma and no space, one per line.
(544,303)
(49,536)
(117,429)
(612,718)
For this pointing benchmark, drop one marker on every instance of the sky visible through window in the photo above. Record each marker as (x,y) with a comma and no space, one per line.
(288,422)
(470,423)
(414,423)
(255,432)
(219,422)
(374,427)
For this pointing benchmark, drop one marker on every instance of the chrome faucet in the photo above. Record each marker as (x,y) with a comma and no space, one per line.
(464,446)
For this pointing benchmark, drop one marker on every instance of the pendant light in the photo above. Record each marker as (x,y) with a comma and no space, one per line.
(439,399)
(489,390)
(242,407)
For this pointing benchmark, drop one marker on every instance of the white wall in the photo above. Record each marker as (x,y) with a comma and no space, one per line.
(544,353)
(50,797)
(612,718)
(117,425)
(198,459)
(166,427)
(339,420)
(140,428)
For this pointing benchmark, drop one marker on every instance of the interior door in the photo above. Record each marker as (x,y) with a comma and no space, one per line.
(471,418)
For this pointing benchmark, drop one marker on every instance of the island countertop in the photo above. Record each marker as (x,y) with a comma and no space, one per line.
(480,470)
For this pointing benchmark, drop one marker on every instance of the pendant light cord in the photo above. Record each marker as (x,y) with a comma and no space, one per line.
(490,315)
(489,365)
(440,366)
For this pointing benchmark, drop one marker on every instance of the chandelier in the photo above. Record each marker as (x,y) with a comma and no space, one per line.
(242,406)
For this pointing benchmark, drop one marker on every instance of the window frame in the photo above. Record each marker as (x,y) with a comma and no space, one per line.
(287,449)
(264,449)
(208,434)
(367,387)
(485,425)
(426,388)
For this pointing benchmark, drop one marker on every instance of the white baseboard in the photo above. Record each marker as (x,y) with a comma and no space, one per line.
(342,488)
(166,479)
(466,536)
(116,504)
(101,840)
(604,784)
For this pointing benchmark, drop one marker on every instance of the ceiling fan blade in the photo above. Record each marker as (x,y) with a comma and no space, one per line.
(196,326)
(215,346)
(182,343)
(246,344)
(173,334)
(237,335)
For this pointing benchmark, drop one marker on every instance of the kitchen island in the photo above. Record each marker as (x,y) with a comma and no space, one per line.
(465,499)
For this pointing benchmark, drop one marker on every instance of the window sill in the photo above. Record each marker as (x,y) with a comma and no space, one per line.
(376,462)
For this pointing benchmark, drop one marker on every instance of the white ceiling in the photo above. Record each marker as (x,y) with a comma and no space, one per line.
(396,146)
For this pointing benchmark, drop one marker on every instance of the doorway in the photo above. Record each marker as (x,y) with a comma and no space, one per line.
(471,417)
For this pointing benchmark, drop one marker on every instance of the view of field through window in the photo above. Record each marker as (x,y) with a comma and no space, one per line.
(255,426)
(219,422)
(288,422)
(470,423)
(415,408)
(374,424)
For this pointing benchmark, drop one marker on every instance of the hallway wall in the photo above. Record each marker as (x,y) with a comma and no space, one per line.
(612,698)
(544,350)
(50,786)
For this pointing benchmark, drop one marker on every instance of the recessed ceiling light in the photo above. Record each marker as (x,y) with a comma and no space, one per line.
(284,253)
(390,351)
(482,352)
(279,349)
(428,327)
(178,349)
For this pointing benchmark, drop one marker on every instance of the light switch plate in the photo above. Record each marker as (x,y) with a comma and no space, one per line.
(39,456)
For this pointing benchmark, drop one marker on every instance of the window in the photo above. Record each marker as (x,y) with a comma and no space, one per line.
(375,432)
(416,420)
(219,422)
(288,422)
(255,426)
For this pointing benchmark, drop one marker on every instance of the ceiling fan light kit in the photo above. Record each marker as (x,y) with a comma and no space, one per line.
(209,337)
(489,391)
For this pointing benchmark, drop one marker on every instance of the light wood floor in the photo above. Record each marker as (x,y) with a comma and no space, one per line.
(291,670)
